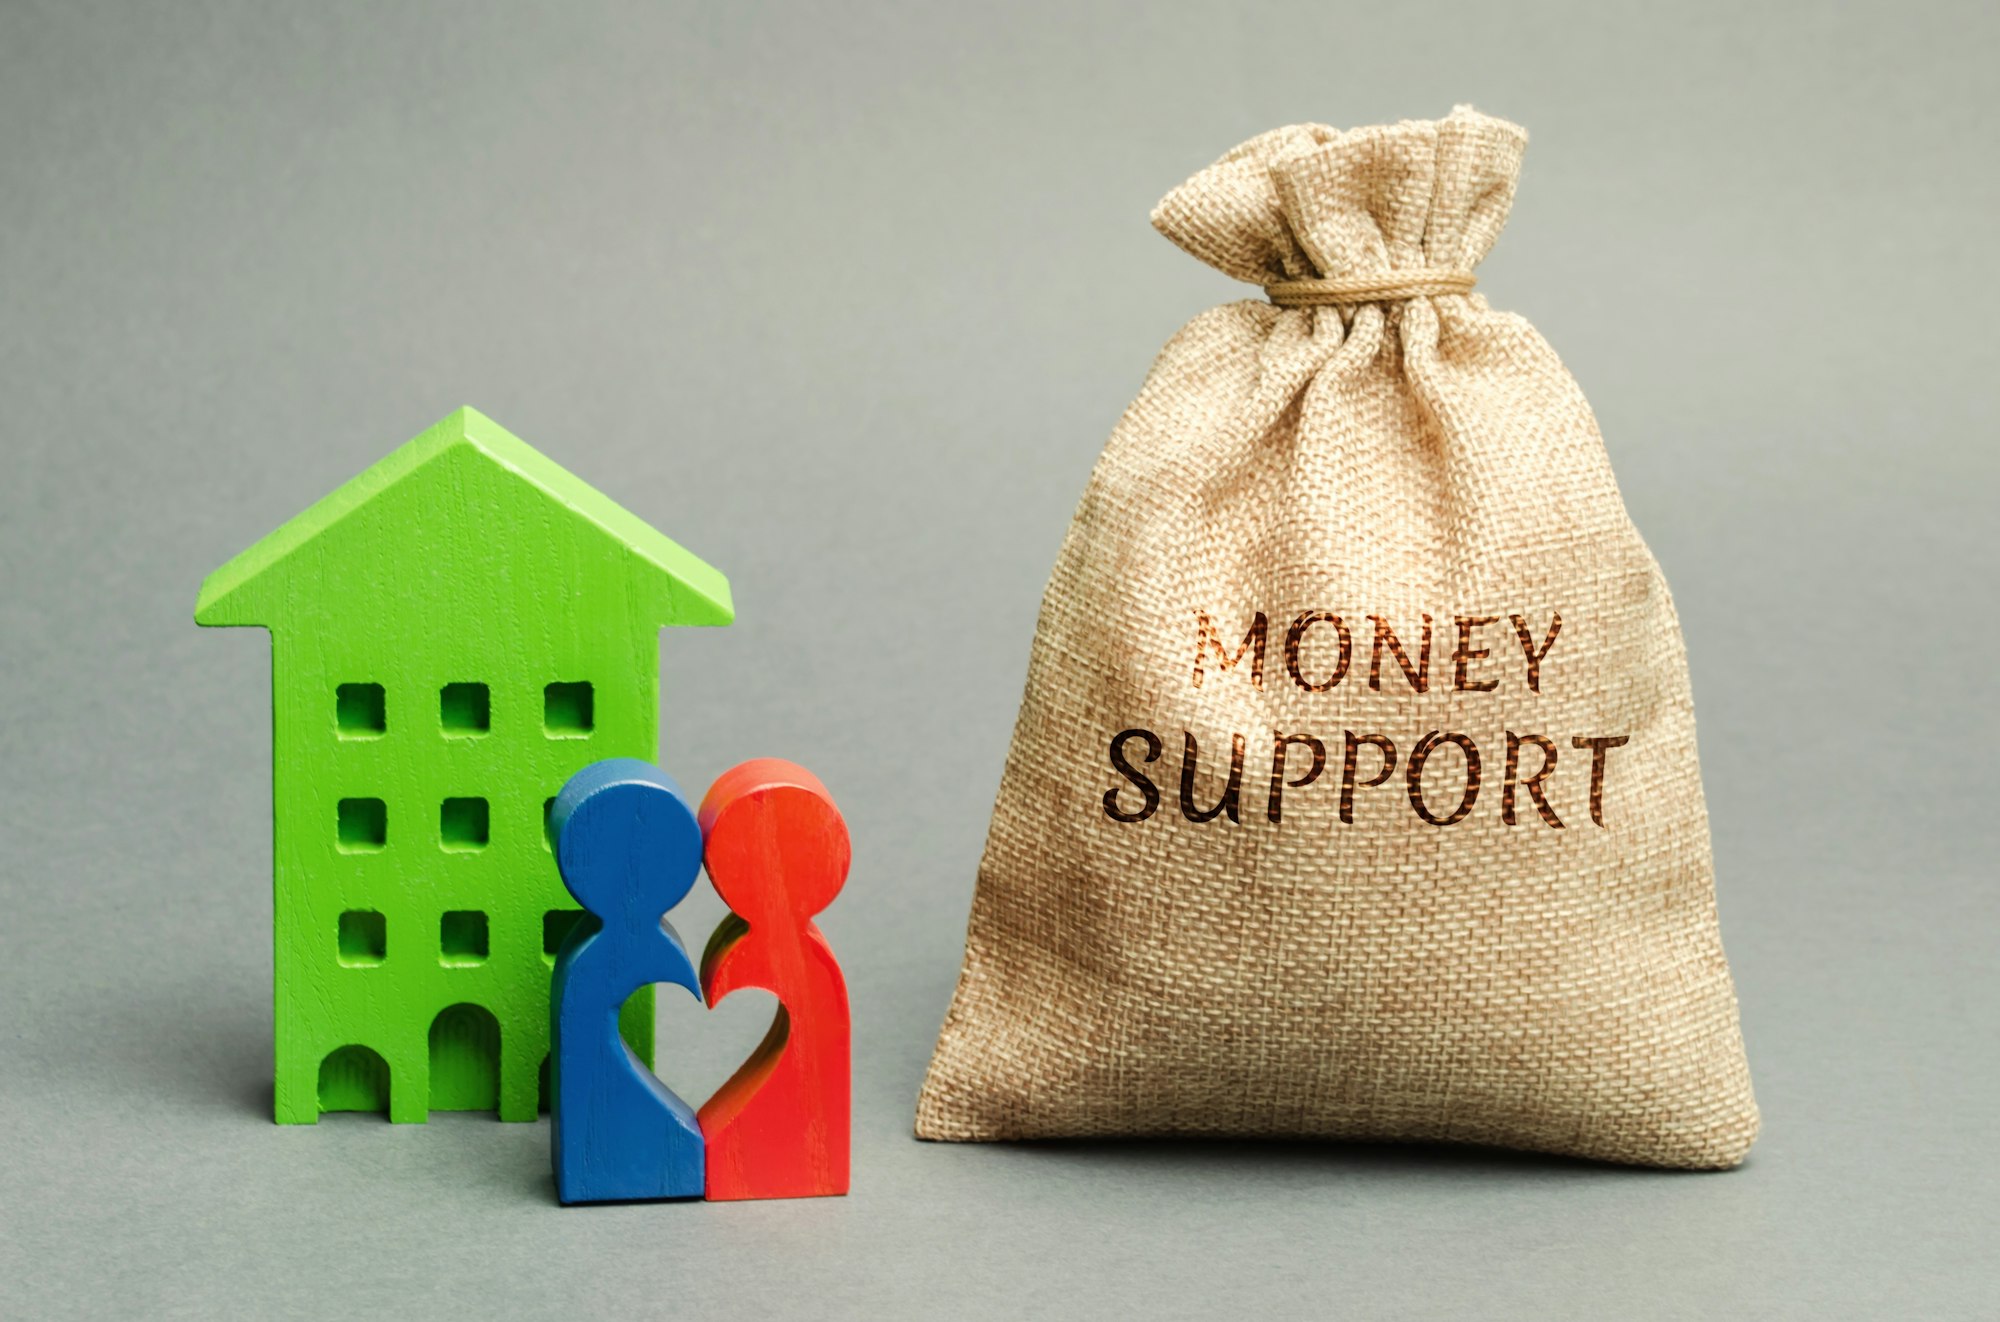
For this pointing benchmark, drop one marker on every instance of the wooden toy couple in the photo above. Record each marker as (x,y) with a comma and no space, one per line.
(630,847)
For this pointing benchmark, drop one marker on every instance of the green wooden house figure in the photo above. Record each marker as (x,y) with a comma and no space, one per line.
(453,633)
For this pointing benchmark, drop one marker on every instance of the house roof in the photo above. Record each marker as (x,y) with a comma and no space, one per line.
(694,593)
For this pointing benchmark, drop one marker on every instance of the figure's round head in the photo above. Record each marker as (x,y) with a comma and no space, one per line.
(776,847)
(627,841)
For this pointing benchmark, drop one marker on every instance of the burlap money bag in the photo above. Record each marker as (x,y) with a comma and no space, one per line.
(1354,791)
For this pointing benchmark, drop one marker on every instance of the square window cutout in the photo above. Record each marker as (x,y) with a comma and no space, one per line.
(465,710)
(568,710)
(361,825)
(364,938)
(359,712)
(462,937)
(556,927)
(549,825)
(462,824)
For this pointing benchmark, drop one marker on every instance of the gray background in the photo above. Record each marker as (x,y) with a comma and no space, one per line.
(846,299)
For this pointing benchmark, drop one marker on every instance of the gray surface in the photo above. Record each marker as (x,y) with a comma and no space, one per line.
(847,301)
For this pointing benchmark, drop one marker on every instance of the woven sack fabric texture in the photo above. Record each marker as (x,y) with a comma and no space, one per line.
(1354,791)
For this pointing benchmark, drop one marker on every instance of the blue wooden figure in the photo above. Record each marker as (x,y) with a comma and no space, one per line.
(629,847)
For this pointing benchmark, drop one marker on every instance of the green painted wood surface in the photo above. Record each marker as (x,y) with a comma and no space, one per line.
(453,634)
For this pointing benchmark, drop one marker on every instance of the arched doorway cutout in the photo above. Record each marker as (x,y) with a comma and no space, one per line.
(354,1078)
(465,1059)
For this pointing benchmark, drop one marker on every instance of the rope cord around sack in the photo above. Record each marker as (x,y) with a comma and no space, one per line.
(1389,287)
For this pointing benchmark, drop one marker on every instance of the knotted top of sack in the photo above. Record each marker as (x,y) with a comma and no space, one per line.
(1320,216)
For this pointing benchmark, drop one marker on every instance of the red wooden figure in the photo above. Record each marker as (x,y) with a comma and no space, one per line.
(777,851)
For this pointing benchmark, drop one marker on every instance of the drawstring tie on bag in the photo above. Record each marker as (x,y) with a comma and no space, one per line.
(1390,287)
